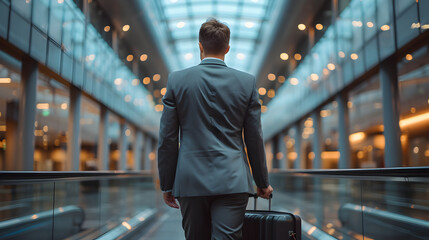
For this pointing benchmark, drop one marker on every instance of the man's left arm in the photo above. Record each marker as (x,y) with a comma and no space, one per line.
(168,145)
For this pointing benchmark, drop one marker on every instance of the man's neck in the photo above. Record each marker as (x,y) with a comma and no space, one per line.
(221,57)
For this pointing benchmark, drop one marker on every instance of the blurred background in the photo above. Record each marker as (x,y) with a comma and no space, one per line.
(343,84)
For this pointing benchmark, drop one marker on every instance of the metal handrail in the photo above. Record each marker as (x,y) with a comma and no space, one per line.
(401,174)
(16,177)
(389,174)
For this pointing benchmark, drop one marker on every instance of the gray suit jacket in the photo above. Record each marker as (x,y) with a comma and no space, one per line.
(208,106)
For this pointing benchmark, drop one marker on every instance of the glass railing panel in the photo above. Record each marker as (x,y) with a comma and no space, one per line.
(25,208)
(395,209)
(88,207)
(123,201)
(77,207)
(318,201)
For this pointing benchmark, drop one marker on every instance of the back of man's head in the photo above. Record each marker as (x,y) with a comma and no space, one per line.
(214,36)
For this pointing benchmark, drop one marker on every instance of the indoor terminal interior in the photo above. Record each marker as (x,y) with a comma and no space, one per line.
(344,93)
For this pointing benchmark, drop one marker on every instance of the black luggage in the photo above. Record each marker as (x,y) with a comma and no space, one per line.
(271,225)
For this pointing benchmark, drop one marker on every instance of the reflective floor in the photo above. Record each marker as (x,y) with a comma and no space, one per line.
(168,227)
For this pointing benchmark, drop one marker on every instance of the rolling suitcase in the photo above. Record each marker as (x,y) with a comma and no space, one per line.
(270,225)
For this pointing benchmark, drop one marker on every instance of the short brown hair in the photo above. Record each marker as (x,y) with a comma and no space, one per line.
(214,36)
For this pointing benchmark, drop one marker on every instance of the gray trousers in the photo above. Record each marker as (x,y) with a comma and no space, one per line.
(216,217)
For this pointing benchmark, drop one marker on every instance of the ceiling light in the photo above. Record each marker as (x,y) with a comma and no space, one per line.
(357,23)
(156,77)
(189,56)
(180,24)
(5,80)
(297,56)
(262,91)
(284,56)
(415,25)
(357,137)
(143,57)
(331,66)
(325,71)
(125,28)
(107,28)
(281,79)
(163,91)
(319,26)
(159,108)
(249,24)
(64,106)
(301,27)
(42,106)
(241,56)
(385,28)
(271,93)
(271,77)
(341,54)
(135,82)
(294,81)
(325,113)
(118,81)
(354,56)
(370,24)
(414,120)
(146,80)
(314,77)
(130,58)
(409,57)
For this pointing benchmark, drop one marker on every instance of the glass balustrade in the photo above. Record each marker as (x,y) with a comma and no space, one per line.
(76,208)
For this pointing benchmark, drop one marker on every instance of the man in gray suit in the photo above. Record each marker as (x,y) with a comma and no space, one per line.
(206,109)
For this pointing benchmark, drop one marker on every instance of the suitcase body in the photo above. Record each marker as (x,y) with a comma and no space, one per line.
(271,225)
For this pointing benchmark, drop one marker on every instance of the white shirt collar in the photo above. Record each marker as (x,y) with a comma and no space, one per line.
(211,58)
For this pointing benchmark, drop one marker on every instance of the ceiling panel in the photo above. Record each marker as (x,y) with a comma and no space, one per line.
(183,19)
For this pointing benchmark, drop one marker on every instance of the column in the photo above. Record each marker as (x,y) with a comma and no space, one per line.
(103,140)
(73,131)
(138,149)
(12,127)
(298,150)
(390,99)
(281,148)
(123,146)
(148,150)
(317,139)
(343,131)
(155,155)
(275,150)
(27,116)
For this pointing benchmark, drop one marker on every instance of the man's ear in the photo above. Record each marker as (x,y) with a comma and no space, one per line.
(201,47)
(227,50)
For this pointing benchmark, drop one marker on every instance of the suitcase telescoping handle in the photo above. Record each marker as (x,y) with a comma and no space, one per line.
(255,197)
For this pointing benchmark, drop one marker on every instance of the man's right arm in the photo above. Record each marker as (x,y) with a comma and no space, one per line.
(254,141)
(168,145)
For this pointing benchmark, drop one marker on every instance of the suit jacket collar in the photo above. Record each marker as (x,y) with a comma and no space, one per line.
(211,61)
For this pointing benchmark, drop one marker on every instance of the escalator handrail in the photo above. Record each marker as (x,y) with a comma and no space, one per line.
(394,174)
(16,177)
